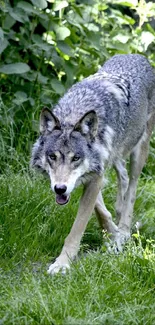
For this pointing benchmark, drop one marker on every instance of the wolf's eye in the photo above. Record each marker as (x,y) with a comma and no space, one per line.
(76,158)
(53,156)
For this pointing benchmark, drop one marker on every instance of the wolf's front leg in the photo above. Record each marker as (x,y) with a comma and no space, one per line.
(72,242)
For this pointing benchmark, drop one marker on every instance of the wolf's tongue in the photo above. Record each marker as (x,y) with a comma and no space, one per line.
(62,199)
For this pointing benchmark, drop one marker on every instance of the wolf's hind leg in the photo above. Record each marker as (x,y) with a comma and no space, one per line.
(123,181)
(137,160)
(104,216)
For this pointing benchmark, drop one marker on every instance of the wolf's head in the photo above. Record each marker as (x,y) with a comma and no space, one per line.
(67,154)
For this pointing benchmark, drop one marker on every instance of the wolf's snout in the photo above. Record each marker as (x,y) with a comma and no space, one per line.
(60,189)
(61,196)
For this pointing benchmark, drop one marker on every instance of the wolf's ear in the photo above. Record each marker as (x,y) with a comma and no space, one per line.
(88,125)
(48,121)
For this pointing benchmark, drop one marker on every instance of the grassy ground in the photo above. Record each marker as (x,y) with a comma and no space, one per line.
(100,288)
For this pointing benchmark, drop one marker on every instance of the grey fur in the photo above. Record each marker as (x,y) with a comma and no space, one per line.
(101,120)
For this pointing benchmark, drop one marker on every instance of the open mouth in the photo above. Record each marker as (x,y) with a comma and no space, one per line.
(62,199)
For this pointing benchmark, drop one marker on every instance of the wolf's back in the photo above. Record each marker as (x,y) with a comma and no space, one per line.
(133,67)
(119,94)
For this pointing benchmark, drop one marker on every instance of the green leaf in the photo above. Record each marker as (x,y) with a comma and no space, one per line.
(62,32)
(57,86)
(150,29)
(94,40)
(19,15)
(70,70)
(3,44)
(1,34)
(65,48)
(31,100)
(92,27)
(42,4)
(121,38)
(146,39)
(21,94)
(27,7)
(128,3)
(38,41)
(8,22)
(74,19)
(60,5)
(120,47)
(36,76)
(3,6)
(20,97)
(42,79)
(14,68)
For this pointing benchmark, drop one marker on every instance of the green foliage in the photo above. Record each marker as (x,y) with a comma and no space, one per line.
(46,46)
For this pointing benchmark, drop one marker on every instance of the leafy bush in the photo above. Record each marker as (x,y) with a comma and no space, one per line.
(46,46)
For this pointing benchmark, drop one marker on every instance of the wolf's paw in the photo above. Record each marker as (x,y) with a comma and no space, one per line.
(120,240)
(58,267)
(117,243)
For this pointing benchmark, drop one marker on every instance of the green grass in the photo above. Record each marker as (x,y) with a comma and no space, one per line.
(101,288)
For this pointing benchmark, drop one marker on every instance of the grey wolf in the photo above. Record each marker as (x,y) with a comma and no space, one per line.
(98,123)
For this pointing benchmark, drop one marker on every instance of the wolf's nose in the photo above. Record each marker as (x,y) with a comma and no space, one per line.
(60,189)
